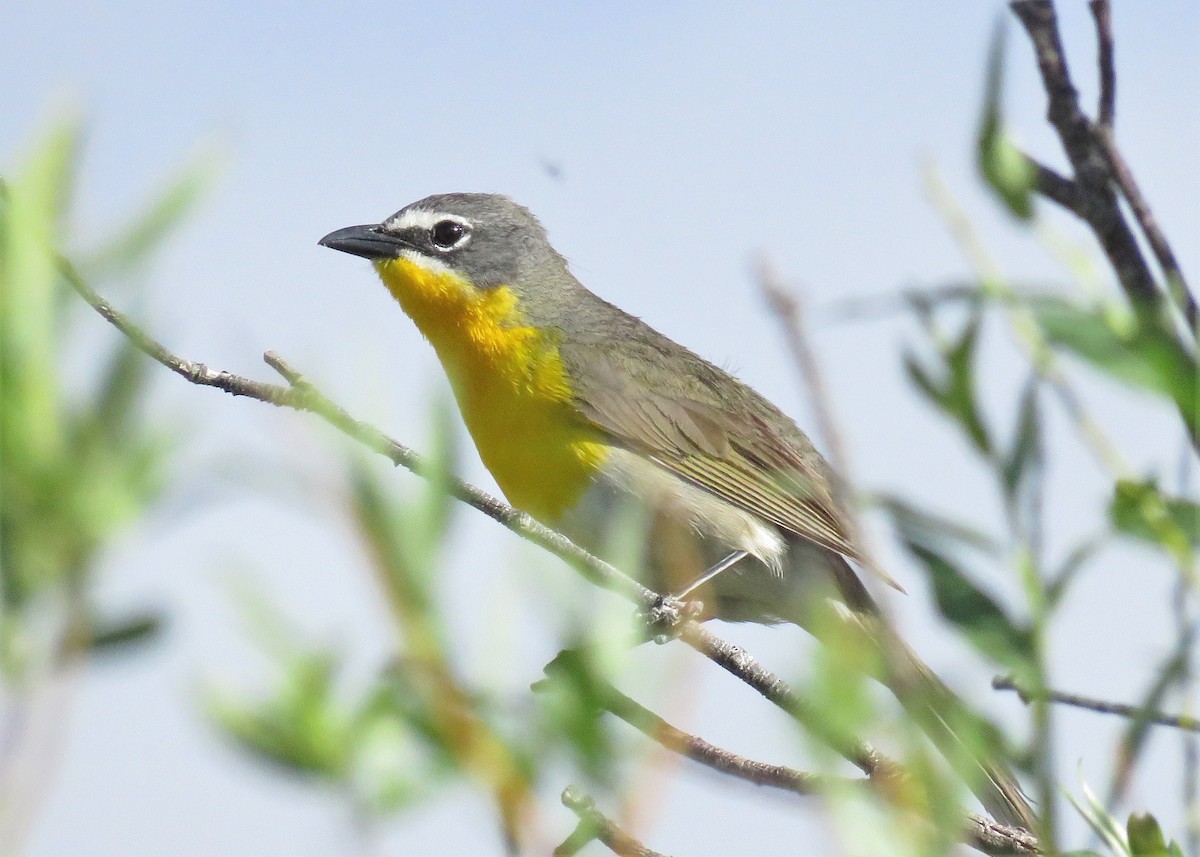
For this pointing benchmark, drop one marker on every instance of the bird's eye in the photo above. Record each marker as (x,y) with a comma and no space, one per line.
(447,234)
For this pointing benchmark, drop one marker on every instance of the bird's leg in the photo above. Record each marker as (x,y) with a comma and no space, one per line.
(713,571)
(666,616)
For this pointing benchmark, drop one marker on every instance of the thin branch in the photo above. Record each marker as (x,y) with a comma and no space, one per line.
(1106,110)
(711,756)
(739,663)
(196,373)
(1177,286)
(1190,724)
(1057,187)
(981,833)
(1106,116)
(1063,110)
(788,309)
(991,837)
(593,824)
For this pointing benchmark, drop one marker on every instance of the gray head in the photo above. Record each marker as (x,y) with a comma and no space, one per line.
(486,237)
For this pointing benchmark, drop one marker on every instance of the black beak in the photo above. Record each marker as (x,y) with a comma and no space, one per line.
(370,242)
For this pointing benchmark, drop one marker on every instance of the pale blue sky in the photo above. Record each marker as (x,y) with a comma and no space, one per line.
(690,137)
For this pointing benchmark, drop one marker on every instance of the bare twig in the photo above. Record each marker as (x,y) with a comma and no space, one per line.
(1106,109)
(593,824)
(1105,136)
(1177,286)
(739,663)
(303,396)
(991,837)
(1190,724)
(981,833)
(711,756)
(787,308)
(790,312)
(1058,188)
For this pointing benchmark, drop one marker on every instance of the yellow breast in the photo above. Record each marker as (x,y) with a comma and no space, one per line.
(510,385)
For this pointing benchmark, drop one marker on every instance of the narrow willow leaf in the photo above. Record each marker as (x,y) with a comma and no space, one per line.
(1093,811)
(1024,458)
(1134,738)
(113,635)
(926,527)
(981,619)
(1003,166)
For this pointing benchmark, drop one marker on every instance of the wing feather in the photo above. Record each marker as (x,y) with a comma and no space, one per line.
(752,456)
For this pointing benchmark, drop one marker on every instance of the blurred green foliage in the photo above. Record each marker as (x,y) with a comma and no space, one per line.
(80,456)
(1001,163)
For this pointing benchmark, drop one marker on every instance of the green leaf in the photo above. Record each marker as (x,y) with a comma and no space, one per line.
(301,727)
(1024,459)
(113,635)
(922,378)
(30,431)
(123,383)
(401,548)
(951,387)
(961,398)
(574,696)
(1145,837)
(1133,740)
(1137,350)
(430,515)
(1141,511)
(395,765)
(1005,169)
(1093,811)
(981,619)
(929,528)
(1070,568)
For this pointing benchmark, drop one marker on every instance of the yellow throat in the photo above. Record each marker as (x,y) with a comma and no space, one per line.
(510,383)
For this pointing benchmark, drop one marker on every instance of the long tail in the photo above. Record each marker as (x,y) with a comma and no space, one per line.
(934,706)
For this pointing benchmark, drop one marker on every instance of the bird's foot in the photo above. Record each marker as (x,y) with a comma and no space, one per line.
(664,619)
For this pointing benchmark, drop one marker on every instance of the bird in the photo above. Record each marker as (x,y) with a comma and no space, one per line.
(582,412)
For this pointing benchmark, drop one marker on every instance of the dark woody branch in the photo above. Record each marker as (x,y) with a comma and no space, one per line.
(1099,169)
(1106,107)
(981,833)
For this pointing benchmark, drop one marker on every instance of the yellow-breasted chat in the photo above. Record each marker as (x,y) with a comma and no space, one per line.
(580,410)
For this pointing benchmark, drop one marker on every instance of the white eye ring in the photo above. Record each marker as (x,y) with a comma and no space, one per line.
(449,233)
